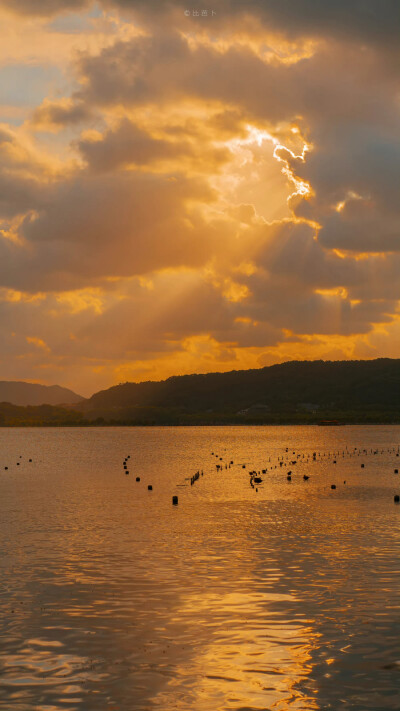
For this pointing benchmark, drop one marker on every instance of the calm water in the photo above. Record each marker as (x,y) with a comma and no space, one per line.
(112,599)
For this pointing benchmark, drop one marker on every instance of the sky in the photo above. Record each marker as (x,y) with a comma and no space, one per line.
(190,187)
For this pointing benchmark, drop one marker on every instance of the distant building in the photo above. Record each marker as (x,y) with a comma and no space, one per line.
(308,406)
(254,409)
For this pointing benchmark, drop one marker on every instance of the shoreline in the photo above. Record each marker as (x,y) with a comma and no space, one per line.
(88,425)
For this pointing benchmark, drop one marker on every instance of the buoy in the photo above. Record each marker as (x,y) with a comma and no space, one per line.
(175,500)
(150,488)
(126,472)
(333,486)
(30,460)
(138,478)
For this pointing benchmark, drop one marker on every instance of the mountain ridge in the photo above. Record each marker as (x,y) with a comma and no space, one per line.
(320,386)
(23,393)
(295,392)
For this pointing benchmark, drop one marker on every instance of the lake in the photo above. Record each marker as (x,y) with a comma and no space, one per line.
(281,595)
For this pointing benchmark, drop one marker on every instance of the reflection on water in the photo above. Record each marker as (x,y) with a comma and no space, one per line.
(285,597)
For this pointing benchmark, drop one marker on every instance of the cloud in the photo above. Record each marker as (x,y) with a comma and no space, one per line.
(176,322)
(373,22)
(127,144)
(22,173)
(44,8)
(94,227)
(59,114)
(163,69)
(145,223)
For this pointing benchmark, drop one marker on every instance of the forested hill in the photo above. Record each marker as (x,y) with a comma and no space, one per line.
(309,390)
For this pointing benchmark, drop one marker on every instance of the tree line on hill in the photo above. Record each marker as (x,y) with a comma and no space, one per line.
(297,392)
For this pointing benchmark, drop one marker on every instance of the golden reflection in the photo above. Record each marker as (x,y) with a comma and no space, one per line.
(254,659)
